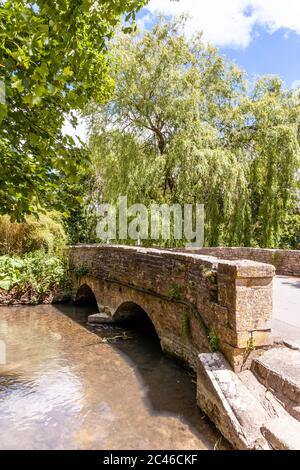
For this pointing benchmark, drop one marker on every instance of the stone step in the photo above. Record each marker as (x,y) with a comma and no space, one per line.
(227,401)
(279,371)
(243,409)
(283,433)
(269,402)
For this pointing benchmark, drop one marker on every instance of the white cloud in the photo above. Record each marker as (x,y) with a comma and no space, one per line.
(296,84)
(143,21)
(232,22)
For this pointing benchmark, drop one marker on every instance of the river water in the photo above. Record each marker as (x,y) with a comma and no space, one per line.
(64,385)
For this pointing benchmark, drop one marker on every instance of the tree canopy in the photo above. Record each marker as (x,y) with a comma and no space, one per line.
(53,61)
(184,125)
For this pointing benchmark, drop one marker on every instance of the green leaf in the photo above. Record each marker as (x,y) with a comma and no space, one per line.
(53,60)
(18,84)
(68,72)
(5,284)
(3,112)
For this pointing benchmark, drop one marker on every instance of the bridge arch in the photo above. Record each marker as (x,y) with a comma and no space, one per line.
(120,303)
(85,295)
(129,311)
(132,312)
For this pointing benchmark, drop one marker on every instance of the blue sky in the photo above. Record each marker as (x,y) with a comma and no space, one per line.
(277,53)
(262,36)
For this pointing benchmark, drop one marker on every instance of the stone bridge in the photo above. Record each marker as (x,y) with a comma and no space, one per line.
(213,314)
(192,300)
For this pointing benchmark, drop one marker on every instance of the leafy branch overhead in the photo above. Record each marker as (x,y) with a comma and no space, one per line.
(53,60)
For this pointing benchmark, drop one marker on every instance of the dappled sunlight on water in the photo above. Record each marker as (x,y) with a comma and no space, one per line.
(64,388)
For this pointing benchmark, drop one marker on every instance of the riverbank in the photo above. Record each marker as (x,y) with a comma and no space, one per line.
(29,296)
(34,278)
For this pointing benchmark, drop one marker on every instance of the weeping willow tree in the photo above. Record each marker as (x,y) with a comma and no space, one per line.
(184,126)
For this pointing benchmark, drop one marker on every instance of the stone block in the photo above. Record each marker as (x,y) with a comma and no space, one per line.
(221,314)
(229,404)
(279,370)
(100,318)
(282,433)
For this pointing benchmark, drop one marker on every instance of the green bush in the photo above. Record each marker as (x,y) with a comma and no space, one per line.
(38,272)
(45,233)
(290,235)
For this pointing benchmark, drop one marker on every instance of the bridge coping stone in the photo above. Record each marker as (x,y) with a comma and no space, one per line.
(286,262)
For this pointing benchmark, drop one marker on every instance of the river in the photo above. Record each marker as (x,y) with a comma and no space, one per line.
(65,385)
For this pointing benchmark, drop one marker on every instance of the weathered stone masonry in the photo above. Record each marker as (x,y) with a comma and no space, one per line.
(188,297)
(286,262)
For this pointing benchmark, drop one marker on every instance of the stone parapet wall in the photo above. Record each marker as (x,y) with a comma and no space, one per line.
(195,302)
(286,262)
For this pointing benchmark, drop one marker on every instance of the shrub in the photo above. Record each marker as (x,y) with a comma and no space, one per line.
(290,237)
(35,272)
(213,341)
(45,233)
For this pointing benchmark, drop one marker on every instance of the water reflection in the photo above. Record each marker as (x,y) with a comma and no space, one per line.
(64,388)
